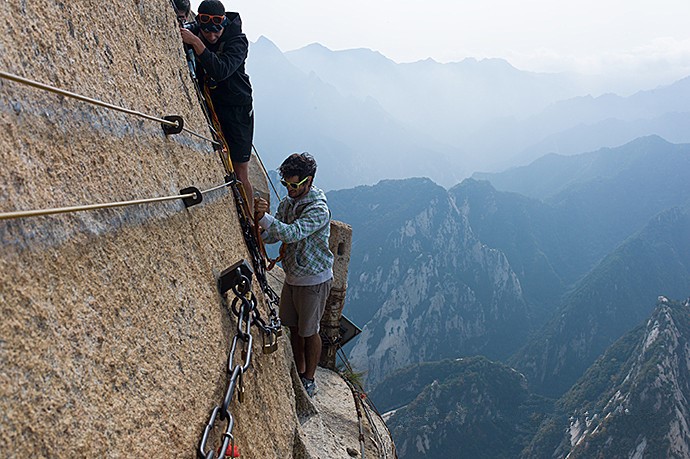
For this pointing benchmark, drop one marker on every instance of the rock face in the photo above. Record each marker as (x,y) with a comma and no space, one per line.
(656,387)
(114,338)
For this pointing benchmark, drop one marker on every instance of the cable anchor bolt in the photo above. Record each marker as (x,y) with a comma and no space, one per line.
(237,277)
(169,129)
(192,200)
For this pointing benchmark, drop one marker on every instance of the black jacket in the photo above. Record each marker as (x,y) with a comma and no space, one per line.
(222,65)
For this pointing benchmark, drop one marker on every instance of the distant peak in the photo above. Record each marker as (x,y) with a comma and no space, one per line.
(648,140)
(264,42)
(316,47)
(428,60)
(487,61)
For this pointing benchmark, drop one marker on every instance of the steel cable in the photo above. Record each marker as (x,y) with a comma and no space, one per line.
(107,205)
(366,403)
(45,87)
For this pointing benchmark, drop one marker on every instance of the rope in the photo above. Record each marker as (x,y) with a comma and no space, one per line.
(223,149)
(45,87)
(107,205)
(268,177)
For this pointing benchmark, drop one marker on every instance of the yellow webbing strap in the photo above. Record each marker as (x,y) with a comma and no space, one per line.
(224,153)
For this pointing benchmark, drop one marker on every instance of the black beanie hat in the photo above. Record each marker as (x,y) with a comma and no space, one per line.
(212,7)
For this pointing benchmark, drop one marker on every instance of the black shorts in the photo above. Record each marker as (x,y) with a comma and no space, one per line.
(237,123)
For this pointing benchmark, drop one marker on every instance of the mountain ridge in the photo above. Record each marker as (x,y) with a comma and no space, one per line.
(643,411)
(655,261)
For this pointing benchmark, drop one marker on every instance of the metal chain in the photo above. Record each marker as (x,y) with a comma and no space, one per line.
(244,307)
(247,314)
(258,263)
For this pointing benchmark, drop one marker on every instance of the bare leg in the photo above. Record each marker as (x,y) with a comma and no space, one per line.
(242,173)
(297,343)
(312,353)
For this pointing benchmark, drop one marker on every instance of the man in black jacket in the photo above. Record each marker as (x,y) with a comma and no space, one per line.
(221,50)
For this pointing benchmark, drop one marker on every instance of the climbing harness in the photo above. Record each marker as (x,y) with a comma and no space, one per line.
(171,124)
(237,278)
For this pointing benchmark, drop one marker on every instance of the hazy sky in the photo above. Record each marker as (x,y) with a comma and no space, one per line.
(617,37)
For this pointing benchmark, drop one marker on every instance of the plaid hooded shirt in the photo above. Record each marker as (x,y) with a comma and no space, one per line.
(304,226)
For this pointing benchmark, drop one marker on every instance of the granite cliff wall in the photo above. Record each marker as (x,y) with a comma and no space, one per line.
(114,339)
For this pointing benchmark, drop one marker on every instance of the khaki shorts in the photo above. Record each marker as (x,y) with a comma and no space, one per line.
(303,306)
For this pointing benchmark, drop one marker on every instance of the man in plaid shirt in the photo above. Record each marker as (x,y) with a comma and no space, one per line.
(302,223)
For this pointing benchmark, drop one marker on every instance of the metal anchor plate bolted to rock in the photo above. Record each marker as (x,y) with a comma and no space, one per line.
(237,277)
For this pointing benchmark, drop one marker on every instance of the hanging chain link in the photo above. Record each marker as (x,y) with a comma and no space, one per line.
(237,278)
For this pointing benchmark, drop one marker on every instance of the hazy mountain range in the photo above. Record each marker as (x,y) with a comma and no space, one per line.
(367,118)
(545,283)
(354,141)
(475,270)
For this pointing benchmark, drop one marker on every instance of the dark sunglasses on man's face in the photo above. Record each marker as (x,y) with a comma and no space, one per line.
(210,18)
